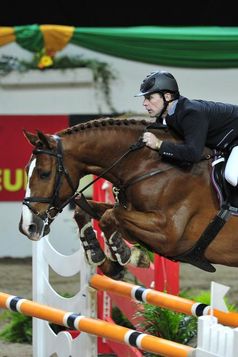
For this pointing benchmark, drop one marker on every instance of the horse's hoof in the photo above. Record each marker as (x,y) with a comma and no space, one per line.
(119,276)
(139,258)
(116,272)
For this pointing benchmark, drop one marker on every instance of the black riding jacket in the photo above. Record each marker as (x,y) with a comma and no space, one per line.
(200,123)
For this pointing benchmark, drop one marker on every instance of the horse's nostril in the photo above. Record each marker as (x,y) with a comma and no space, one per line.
(32,228)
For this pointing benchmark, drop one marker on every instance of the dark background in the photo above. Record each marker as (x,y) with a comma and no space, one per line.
(115,13)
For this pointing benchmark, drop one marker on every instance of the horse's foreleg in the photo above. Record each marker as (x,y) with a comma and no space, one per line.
(117,247)
(93,251)
(150,229)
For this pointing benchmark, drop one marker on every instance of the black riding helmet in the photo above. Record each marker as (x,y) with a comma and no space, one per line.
(159,81)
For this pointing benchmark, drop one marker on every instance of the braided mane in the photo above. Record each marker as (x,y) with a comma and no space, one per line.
(103,122)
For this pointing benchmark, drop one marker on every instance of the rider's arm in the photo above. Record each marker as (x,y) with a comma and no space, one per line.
(194,128)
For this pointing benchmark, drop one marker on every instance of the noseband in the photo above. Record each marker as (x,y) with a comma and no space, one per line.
(54,204)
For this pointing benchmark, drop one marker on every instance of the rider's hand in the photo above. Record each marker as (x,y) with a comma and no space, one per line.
(151,141)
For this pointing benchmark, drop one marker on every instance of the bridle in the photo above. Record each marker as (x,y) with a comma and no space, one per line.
(54,206)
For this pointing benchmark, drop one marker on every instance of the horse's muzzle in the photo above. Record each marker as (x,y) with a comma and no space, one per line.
(36,229)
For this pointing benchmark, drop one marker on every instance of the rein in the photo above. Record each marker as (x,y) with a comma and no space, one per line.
(83,203)
(133,147)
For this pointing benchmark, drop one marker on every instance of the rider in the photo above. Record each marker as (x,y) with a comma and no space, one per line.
(199,123)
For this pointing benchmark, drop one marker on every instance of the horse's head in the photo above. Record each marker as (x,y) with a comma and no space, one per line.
(49,185)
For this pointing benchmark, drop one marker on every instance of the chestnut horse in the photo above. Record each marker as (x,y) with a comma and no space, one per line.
(161,206)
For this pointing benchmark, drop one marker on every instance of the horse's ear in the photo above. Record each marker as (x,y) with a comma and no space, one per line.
(32,138)
(44,139)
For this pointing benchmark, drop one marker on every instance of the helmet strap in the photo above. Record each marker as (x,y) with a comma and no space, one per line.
(166,103)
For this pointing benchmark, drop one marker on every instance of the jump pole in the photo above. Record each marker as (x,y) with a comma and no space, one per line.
(95,327)
(154,297)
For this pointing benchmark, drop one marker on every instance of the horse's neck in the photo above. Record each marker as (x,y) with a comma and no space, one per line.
(98,149)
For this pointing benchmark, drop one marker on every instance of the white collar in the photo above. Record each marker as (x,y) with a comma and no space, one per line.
(172,108)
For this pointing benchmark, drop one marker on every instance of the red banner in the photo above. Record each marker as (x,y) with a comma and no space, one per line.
(15,150)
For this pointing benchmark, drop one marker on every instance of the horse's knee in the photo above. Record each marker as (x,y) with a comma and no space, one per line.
(107,221)
(77,213)
(103,221)
(81,217)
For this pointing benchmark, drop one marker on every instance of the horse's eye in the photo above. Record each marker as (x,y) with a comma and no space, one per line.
(44,175)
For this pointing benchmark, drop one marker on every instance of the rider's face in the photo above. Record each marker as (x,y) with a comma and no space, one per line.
(154,104)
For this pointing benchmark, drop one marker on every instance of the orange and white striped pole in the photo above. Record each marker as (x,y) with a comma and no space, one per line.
(95,327)
(158,298)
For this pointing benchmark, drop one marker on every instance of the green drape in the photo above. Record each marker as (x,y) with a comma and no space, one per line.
(195,47)
(201,47)
(29,37)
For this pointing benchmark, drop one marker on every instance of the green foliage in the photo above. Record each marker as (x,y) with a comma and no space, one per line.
(102,72)
(18,329)
(172,325)
(167,324)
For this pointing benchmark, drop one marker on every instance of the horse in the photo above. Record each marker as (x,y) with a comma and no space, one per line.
(159,205)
